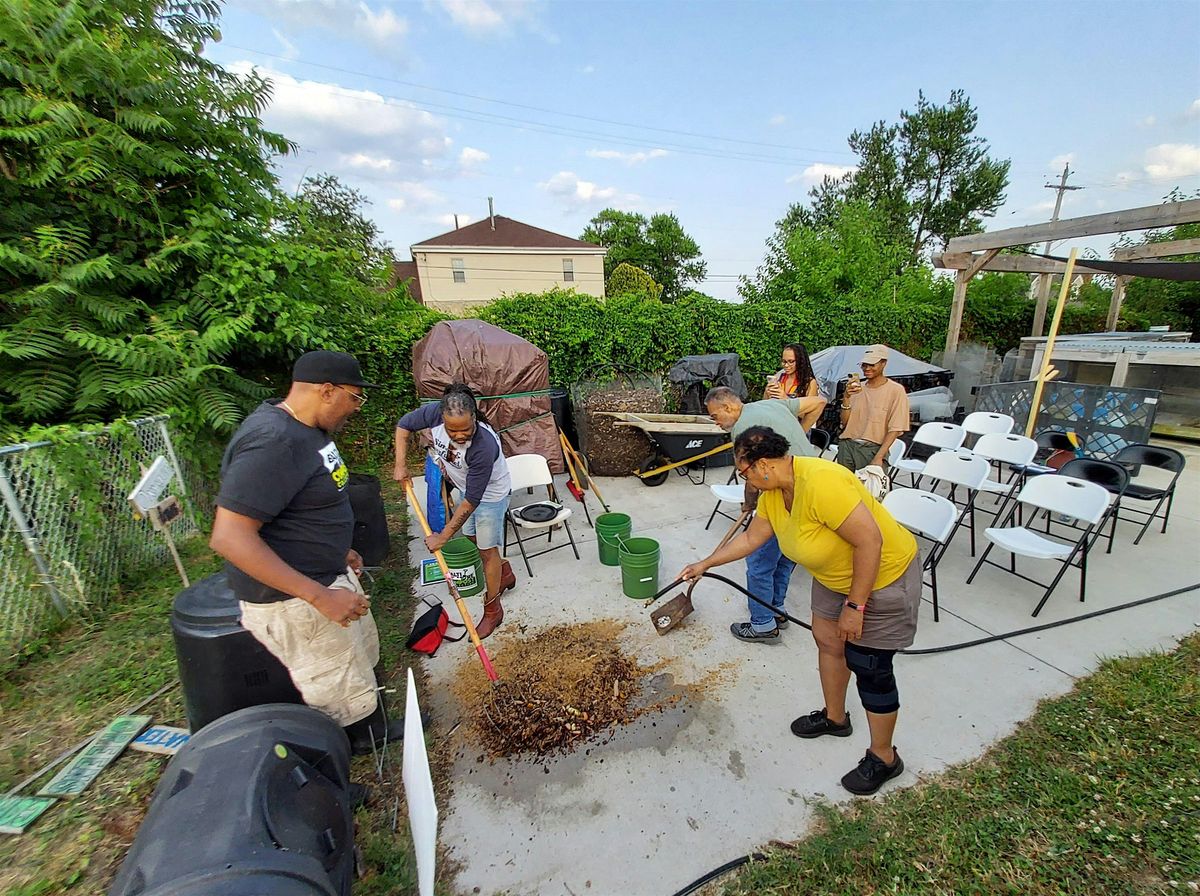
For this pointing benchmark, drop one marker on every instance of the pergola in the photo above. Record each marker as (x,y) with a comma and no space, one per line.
(974,254)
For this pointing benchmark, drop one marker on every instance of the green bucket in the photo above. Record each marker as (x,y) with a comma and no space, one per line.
(610,529)
(465,565)
(639,567)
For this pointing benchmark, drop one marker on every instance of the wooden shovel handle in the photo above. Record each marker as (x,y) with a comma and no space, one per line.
(579,462)
(458,601)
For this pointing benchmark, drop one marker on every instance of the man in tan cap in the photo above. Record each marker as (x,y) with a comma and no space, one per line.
(873,414)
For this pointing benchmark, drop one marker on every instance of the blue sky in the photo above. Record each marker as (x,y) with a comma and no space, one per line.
(722,113)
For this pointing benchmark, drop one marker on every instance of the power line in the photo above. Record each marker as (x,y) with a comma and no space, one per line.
(485,99)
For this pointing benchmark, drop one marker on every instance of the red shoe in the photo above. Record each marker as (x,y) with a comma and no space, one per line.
(508,578)
(493,615)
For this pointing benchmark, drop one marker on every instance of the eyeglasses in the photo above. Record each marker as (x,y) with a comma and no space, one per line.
(743,473)
(360,397)
(787,360)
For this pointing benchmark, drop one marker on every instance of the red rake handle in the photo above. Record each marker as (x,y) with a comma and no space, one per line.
(458,601)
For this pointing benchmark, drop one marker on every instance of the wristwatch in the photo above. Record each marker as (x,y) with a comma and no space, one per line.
(853,606)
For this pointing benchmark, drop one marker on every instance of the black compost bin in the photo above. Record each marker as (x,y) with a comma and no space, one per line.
(254,804)
(370,522)
(560,407)
(222,667)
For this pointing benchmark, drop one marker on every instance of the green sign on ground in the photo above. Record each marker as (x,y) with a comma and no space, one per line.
(95,757)
(19,812)
(431,573)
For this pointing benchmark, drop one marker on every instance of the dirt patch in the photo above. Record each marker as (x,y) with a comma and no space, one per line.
(614,450)
(559,688)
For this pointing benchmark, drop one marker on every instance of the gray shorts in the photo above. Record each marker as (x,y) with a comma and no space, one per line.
(890,621)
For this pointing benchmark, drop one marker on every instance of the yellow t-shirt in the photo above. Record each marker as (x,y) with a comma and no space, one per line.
(825,495)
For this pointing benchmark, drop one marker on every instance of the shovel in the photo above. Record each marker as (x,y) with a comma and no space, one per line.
(573,482)
(580,465)
(680,606)
(458,601)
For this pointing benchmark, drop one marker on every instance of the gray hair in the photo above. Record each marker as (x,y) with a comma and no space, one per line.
(722,395)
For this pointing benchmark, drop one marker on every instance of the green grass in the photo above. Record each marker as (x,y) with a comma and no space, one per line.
(1098,793)
(73,682)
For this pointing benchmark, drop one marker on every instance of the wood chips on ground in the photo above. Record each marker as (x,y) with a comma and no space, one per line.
(558,688)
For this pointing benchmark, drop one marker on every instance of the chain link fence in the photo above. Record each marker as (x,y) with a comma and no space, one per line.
(63,547)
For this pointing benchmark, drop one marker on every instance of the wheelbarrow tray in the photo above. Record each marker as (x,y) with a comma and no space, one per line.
(680,438)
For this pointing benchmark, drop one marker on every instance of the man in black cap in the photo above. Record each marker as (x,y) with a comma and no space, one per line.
(285,524)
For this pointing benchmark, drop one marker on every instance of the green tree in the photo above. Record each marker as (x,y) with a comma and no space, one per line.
(1171,302)
(659,246)
(329,214)
(927,177)
(142,267)
(628,279)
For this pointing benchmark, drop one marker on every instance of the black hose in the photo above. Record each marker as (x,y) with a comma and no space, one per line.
(965,644)
(745,860)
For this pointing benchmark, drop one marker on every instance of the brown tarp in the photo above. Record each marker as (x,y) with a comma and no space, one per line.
(494,363)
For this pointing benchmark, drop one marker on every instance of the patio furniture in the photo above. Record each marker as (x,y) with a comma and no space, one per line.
(939,436)
(957,468)
(1015,451)
(1167,459)
(1110,476)
(1076,498)
(730,493)
(928,516)
(529,471)
(981,423)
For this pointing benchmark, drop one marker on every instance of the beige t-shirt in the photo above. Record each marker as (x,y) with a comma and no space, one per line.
(874,412)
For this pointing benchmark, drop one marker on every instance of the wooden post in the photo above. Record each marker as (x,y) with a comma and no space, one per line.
(1120,370)
(1043,299)
(1035,406)
(1114,307)
(961,279)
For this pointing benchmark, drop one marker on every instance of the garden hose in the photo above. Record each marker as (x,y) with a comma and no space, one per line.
(710,876)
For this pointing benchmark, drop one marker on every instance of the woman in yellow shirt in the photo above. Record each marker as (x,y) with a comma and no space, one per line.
(866,586)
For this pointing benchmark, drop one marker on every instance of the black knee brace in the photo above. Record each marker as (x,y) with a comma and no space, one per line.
(873,675)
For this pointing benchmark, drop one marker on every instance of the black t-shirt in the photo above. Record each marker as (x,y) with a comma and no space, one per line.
(292,478)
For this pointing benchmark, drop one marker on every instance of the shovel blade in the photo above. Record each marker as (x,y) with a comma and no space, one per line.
(671,613)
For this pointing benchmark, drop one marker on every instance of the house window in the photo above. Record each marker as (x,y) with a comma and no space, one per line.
(459,270)
(568,270)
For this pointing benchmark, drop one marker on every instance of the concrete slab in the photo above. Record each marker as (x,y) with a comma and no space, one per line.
(674,795)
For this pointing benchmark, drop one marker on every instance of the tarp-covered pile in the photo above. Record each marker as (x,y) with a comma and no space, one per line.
(694,375)
(510,376)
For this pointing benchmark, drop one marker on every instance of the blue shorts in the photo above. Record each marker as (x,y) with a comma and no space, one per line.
(486,523)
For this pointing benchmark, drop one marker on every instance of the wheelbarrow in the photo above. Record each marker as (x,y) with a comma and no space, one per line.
(681,442)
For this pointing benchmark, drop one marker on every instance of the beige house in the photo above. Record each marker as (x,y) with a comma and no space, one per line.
(474,264)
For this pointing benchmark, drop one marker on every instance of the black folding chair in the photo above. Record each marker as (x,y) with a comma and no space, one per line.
(1138,456)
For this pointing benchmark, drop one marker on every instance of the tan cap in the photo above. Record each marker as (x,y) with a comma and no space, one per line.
(875,354)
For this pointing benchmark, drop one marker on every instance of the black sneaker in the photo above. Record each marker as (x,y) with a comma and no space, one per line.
(817,723)
(871,774)
(743,631)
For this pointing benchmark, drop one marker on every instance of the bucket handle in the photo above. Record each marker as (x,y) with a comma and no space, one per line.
(617,535)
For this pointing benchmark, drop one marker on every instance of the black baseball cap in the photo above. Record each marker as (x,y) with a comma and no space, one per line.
(338,368)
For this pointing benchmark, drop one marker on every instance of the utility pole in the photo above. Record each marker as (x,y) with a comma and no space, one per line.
(1043,280)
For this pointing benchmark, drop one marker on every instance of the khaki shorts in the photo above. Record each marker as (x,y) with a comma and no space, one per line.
(854,454)
(332,667)
(890,620)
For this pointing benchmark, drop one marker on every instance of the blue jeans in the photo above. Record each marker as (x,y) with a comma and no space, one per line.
(767,575)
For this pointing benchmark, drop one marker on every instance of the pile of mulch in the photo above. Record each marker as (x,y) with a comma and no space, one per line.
(560,688)
(612,449)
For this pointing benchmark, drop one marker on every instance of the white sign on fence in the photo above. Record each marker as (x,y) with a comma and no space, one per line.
(150,487)
(418,790)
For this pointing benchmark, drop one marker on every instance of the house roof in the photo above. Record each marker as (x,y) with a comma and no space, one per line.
(407,270)
(509,234)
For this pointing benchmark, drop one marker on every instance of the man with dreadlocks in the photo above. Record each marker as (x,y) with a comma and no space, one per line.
(468,451)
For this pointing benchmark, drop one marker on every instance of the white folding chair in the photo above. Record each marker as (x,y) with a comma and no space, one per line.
(732,493)
(529,471)
(895,453)
(1076,498)
(959,468)
(942,436)
(1005,449)
(981,423)
(928,516)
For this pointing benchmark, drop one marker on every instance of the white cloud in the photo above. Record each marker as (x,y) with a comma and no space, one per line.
(484,18)
(574,193)
(588,70)
(417,198)
(776,120)
(472,156)
(629,158)
(289,49)
(818,171)
(1124,178)
(1169,160)
(1057,163)
(447,220)
(372,163)
(1193,110)
(381,29)
(1148,122)
(326,118)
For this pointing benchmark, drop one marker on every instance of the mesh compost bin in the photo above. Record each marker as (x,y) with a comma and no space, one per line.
(613,450)
(1105,419)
